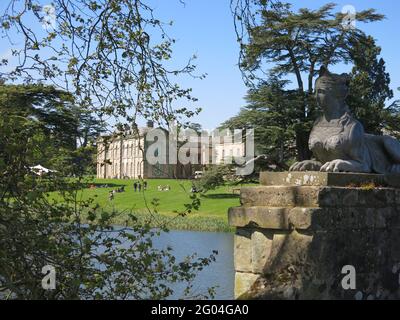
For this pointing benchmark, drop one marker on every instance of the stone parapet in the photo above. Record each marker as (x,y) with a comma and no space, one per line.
(314,218)
(318,196)
(338,179)
(292,241)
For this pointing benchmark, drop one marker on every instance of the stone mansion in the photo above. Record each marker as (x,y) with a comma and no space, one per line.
(123,156)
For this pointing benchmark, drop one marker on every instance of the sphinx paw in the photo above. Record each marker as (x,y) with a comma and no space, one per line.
(307,165)
(335,166)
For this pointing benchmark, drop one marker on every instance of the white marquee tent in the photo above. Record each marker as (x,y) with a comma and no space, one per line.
(40,170)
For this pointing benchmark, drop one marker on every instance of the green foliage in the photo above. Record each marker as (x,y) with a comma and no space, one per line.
(104,62)
(274,114)
(90,127)
(276,43)
(57,124)
(297,42)
(78,162)
(51,109)
(369,85)
(392,118)
(213,177)
(111,55)
(93,259)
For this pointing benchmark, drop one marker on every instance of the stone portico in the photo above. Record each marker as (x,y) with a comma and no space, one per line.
(297,230)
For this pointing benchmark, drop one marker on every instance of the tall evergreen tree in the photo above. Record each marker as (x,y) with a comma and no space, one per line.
(273,113)
(61,130)
(51,109)
(284,43)
(369,85)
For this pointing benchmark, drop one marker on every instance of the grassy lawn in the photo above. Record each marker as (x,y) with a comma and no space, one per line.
(211,216)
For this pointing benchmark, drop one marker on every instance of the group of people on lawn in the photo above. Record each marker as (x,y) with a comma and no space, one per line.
(137,186)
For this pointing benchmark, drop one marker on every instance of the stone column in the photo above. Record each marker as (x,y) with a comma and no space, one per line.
(121,150)
(297,231)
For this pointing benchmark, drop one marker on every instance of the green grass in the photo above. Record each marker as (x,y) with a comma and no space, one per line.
(211,216)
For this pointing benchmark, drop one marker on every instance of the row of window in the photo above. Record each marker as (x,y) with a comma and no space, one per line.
(238,152)
(128,150)
(128,169)
(133,150)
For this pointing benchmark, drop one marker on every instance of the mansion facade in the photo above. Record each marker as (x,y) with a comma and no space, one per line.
(123,156)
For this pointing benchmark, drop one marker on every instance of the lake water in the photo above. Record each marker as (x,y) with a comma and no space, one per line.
(219,273)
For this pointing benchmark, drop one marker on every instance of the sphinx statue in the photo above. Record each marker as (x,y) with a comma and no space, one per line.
(338,141)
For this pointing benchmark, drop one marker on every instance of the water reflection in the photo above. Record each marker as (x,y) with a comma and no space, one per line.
(220,273)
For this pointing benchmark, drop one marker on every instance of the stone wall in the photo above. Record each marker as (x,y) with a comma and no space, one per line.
(296,232)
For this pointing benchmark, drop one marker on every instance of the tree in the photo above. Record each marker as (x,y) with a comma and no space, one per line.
(74,236)
(273,114)
(50,108)
(111,55)
(49,114)
(84,159)
(273,111)
(59,124)
(213,177)
(369,85)
(392,119)
(295,43)
(90,127)
(103,54)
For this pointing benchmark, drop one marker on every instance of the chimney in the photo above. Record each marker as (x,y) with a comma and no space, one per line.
(150,124)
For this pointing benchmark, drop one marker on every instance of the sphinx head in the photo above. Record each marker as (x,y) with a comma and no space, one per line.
(331,89)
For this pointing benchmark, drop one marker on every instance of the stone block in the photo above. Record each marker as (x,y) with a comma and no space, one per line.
(305,218)
(243,282)
(340,197)
(311,178)
(261,246)
(314,218)
(311,196)
(397,197)
(259,217)
(339,179)
(243,250)
(288,250)
(279,196)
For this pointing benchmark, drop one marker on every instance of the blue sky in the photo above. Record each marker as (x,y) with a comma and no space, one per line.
(205,28)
